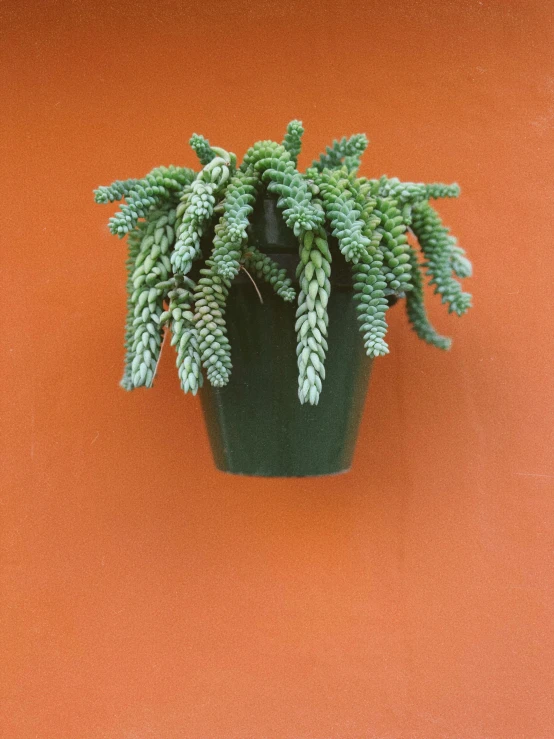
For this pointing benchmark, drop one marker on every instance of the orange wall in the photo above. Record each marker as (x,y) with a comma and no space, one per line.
(145,594)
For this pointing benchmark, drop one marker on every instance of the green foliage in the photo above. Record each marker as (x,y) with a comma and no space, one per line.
(437,190)
(134,240)
(394,245)
(276,167)
(239,203)
(170,214)
(230,234)
(194,214)
(116,191)
(343,214)
(264,268)
(437,246)
(197,207)
(210,297)
(160,186)
(411,192)
(415,308)
(184,332)
(347,151)
(312,319)
(293,139)
(461,266)
(227,252)
(151,266)
(202,148)
(369,274)
(369,286)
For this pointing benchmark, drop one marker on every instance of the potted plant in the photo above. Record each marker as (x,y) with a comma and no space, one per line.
(220,256)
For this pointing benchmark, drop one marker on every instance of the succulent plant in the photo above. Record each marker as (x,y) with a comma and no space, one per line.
(168,213)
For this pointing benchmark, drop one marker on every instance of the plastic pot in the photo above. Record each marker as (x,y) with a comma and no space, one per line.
(256,423)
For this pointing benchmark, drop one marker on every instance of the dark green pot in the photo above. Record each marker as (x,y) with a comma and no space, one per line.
(256,423)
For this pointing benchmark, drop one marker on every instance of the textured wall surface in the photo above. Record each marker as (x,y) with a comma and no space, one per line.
(145,595)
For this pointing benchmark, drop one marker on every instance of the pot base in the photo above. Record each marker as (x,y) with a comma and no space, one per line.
(256,423)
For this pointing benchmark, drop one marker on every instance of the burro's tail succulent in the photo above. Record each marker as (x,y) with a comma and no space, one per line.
(376,225)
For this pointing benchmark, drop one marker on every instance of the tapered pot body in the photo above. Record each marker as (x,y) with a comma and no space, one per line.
(256,423)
